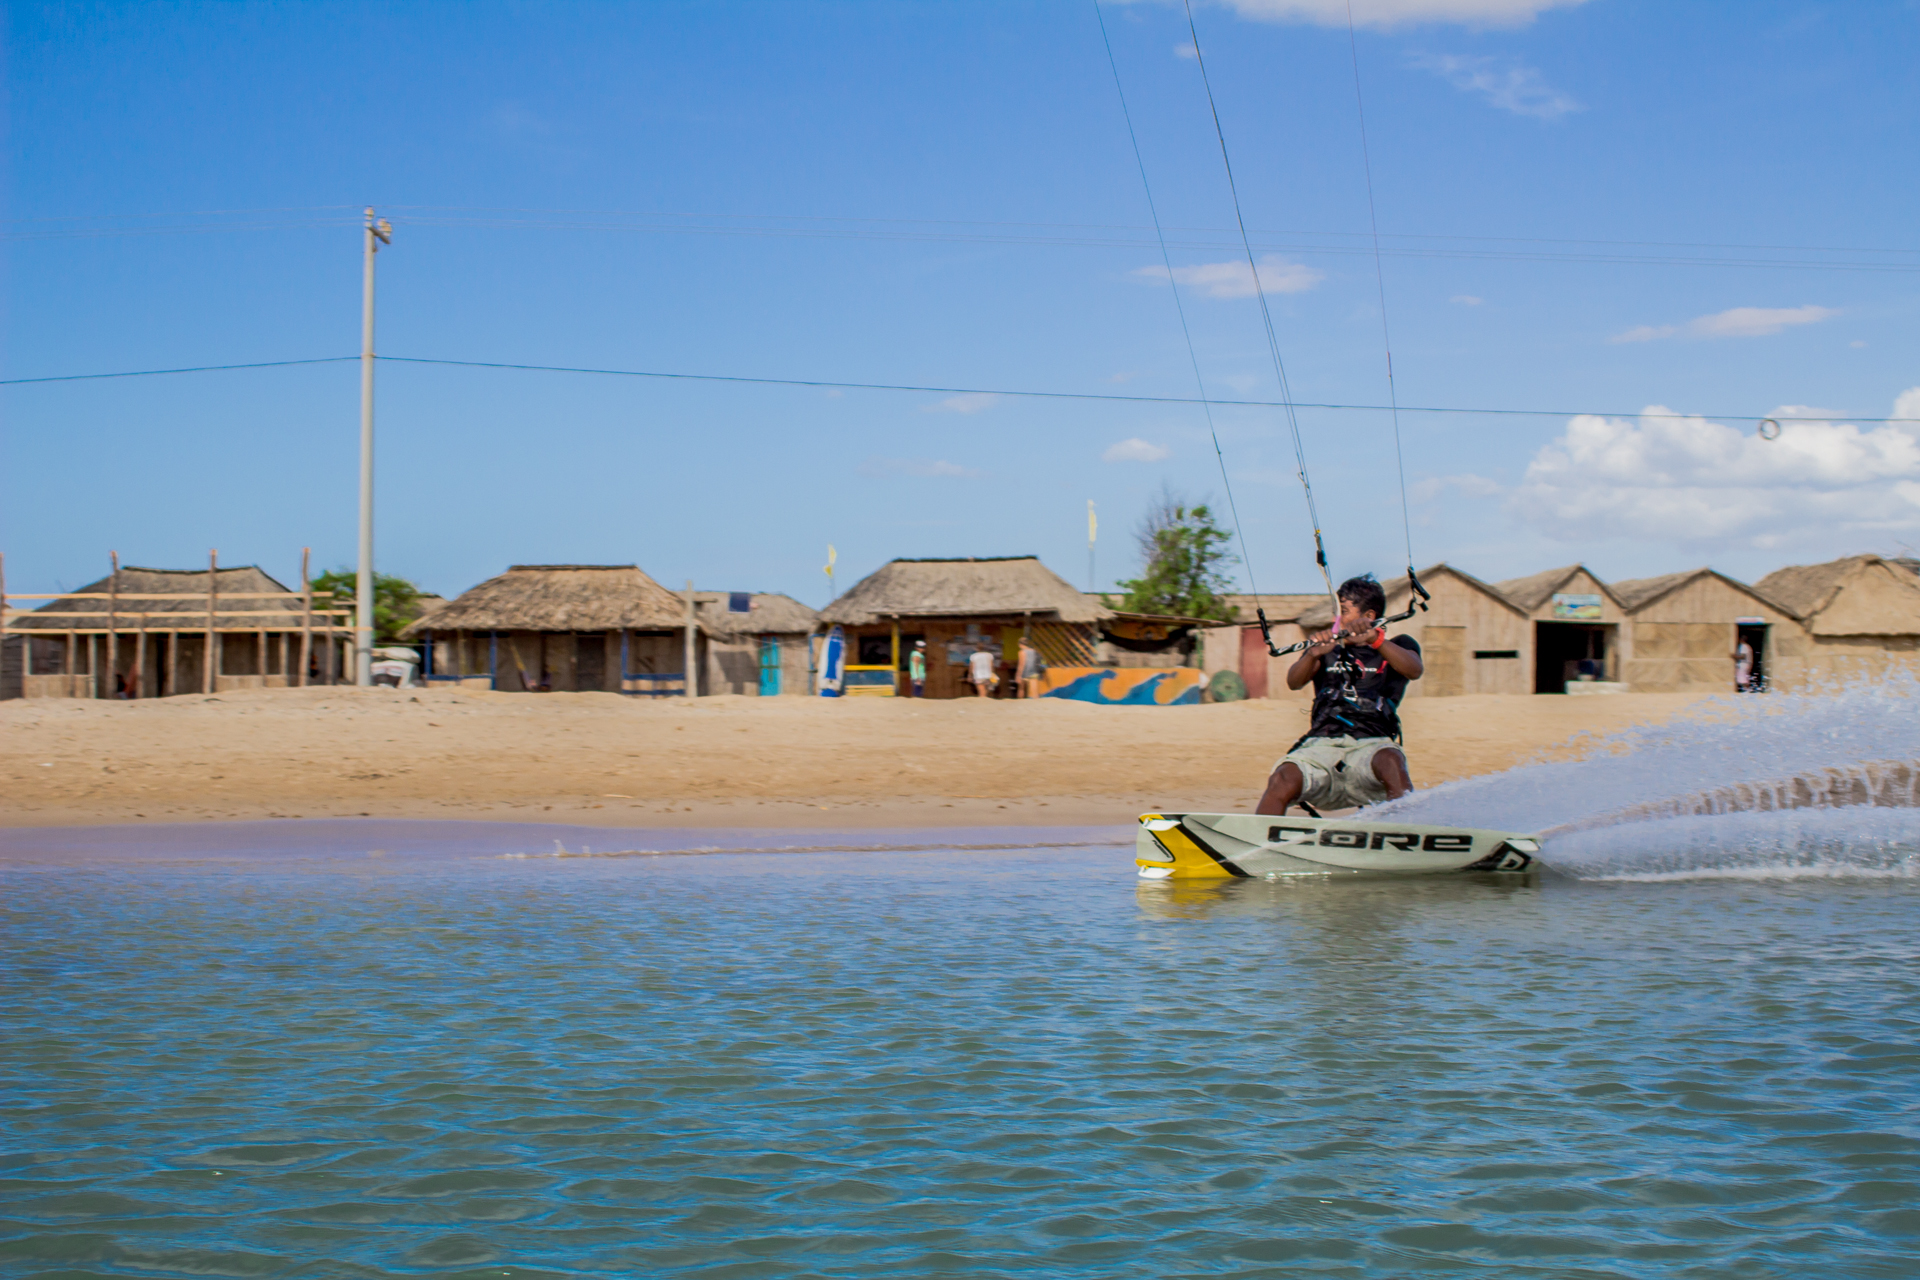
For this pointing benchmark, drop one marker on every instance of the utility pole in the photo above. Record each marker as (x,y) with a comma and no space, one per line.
(379,232)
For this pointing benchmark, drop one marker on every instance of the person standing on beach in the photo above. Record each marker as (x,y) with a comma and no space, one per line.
(1743,667)
(980,671)
(1032,669)
(917,669)
(1351,754)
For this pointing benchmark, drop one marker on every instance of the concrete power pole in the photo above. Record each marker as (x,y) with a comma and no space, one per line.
(379,232)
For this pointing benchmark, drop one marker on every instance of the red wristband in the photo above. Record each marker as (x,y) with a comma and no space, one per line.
(1379,639)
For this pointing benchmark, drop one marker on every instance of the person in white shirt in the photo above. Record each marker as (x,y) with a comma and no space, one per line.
(1743,667)
(980,671)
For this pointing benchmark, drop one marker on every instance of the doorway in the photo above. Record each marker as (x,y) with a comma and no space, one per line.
(1754,636)
(1565,651)
(769,666)
(590,661)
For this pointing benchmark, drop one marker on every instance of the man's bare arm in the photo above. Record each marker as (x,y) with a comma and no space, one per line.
(1307,664)
(1403,660)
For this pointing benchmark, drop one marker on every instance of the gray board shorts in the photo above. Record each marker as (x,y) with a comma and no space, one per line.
(1338,772)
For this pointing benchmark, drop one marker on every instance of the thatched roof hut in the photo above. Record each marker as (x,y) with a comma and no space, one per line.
(560,597)
(1636,594)
(766,614)
(183,604)
(974,586)
(1855,596)
(1536,589)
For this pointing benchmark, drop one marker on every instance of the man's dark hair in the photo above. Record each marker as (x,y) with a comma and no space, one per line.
(1365,594)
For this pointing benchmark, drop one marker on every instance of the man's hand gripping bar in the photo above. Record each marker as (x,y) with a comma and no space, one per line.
(1418,604)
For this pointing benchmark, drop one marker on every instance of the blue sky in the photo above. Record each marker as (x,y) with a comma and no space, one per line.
(1594,206)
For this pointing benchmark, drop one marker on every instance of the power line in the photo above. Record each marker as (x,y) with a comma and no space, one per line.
(151,373)
(1011,392)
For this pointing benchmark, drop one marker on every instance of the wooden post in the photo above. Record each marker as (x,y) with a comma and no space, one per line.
(113,633)
(306,615)
(137,686)
(3,620)
(693,676)
(626,637)
(896,656)
(207,663)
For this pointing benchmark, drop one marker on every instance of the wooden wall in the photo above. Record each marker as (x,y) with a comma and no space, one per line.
(1463,620)
(1683,641)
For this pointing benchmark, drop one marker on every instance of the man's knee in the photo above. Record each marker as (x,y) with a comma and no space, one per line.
(1390,767)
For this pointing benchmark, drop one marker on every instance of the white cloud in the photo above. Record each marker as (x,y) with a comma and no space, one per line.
(1691,480)
(1186,51)
(1757,322)
(1466,484)
(1235,280)
(1734,322)
(1399,13)
(1506,85)
(966,402)
(921,467)
(1135,450)
(1466,300)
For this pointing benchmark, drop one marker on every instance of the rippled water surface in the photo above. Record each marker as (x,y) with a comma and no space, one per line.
(1012,1061)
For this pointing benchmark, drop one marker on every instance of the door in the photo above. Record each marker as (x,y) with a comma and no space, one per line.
(1444,649)
(1754,636)
(590,661)
(1253,661)
(1566,651)
(769,666)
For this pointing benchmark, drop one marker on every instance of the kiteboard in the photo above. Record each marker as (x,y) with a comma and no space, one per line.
(1240,846)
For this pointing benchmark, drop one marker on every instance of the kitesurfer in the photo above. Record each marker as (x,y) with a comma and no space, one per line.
(1350,755)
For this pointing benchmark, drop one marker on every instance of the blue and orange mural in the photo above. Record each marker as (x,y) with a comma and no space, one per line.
(1127,686)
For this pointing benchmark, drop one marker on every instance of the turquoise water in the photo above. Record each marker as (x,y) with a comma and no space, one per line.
(304,1060)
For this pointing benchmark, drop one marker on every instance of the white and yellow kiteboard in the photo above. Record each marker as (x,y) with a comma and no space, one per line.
(1223,846)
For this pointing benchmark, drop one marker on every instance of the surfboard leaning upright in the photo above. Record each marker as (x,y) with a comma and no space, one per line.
(1239,846)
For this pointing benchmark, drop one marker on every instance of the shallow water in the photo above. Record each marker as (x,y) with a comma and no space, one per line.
(943,1064)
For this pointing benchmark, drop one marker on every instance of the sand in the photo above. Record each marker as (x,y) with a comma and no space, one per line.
(599,759)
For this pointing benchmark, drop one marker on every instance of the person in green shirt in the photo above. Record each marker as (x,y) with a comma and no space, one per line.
(917,668)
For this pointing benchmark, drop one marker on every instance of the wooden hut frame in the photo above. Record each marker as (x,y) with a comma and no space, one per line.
(137,604)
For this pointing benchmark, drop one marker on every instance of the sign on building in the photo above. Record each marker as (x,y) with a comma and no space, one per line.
(1576,608)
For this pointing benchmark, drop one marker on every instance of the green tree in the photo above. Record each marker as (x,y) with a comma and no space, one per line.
(396,602)
(1186,559)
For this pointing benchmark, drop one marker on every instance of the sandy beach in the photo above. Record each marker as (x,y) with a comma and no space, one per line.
(599,759)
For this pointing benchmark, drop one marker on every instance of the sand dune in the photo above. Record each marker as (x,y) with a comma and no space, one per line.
(725,761)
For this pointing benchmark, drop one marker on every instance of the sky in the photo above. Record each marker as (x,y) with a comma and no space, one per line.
(1652,222)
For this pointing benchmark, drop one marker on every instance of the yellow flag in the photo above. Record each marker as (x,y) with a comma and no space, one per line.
(1093,523)
(832,557)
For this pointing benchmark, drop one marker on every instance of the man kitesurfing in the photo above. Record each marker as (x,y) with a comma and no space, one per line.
(1350,755)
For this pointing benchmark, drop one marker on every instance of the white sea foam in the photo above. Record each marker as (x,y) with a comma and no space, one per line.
(1802,757)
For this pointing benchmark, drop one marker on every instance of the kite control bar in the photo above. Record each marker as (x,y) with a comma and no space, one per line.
(1418,605)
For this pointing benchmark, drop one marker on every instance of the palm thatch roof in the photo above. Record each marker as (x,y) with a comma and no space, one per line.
(767,614)
(1534,590)
(963,588)
(560,597)
(1636,593)
(183,606)
(1806,589)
